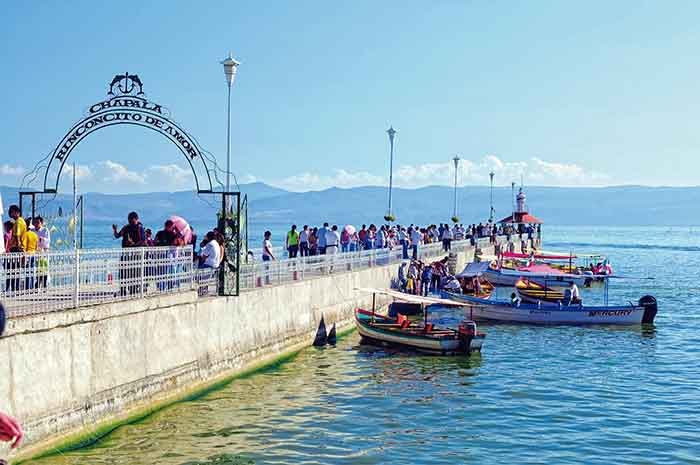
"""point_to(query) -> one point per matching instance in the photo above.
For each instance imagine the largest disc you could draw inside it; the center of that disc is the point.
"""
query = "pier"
(88, 353)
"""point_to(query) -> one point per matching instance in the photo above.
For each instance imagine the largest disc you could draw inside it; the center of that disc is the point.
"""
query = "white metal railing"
(53, 281)
(50, 281)
(277, 272)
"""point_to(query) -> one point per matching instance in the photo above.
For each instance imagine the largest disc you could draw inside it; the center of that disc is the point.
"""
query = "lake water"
(535, 395)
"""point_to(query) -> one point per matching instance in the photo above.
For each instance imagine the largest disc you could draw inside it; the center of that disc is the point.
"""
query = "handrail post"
(76, 278)
(143, 270)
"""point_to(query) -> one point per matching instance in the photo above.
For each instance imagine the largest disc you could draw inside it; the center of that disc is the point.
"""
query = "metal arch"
(133, 123)
(124, 105)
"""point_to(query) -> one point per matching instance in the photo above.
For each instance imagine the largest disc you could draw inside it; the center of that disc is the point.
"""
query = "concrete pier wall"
(73, 372)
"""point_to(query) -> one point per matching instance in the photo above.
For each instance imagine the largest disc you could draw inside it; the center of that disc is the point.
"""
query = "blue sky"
(566, 93)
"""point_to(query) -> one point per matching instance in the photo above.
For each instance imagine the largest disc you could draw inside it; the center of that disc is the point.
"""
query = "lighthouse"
(520, 208)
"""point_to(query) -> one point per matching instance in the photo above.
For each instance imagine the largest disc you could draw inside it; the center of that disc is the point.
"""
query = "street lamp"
(456, 162)
(230, 67)
(491, 175)
(392, 132)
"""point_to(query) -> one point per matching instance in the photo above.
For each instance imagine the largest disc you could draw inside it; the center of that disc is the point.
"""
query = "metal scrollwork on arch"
(127, 104)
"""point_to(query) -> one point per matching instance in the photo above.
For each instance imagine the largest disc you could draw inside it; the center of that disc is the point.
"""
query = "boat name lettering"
(610, 312)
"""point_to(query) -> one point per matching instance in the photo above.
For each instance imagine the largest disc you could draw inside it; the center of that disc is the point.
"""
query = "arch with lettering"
(127, 104)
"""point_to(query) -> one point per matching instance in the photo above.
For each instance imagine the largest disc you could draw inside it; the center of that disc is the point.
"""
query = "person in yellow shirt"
(30, 241)
(18, 230)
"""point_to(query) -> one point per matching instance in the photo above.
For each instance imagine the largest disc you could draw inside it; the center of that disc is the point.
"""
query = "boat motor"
(467, 331)
(650, 309)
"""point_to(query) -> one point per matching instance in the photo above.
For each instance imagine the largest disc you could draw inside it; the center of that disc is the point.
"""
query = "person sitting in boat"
(476, 284)
(451, 284)
(515, 299)
(572, 296)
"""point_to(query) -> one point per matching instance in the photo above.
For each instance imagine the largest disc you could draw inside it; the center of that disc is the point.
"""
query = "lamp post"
(512, 199)
(491, 175)
(230, 67)
(456, 162)
(391, 132)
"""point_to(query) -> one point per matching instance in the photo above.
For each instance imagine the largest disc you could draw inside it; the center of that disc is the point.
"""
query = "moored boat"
(422, 336)
(542, 274)
(642, 312)
(533, 292)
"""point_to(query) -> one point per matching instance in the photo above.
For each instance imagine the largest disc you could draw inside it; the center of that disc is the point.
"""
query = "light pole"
(456, 162)
(230, 67)
(512, 199)
(491, 175)
(392, 132)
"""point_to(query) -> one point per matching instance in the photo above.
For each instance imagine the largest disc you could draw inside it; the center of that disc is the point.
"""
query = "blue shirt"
(322, 236)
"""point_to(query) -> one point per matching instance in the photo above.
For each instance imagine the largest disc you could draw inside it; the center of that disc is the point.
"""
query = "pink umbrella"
(183, 227)
(350, 229)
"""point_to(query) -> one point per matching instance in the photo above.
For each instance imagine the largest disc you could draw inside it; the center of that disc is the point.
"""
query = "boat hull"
(548, 314)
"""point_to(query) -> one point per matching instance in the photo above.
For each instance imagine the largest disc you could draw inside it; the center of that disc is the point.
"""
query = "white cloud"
(173, 176)
(247, 179)
(119, 173)
(535, 171)
(82, 172)
(9, 170)
(339, 178)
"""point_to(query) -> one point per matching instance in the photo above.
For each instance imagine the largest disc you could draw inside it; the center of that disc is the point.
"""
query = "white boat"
(643, 312)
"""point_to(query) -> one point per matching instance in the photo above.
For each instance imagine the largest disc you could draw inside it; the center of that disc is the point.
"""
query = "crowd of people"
(29, 236)
(133, 234)
(328, 240)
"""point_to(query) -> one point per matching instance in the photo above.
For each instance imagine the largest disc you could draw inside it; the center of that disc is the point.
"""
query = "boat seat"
(400, 318)
(405, 323)
(428, 327)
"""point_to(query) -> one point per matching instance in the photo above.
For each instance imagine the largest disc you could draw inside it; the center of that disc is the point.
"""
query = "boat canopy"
(541, 256)
(416, 299)
(473, 270)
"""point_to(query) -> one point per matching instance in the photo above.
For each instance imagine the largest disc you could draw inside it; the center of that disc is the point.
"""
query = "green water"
(536, 395)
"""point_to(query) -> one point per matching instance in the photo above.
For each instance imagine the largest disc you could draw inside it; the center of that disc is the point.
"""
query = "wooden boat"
(643, 312)
(423, 337)
(533, 292)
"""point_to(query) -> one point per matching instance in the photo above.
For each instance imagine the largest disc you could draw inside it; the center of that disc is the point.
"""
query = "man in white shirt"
(43, 233)
(267, 254)
(332, 240)
(447, 238)
(210, 255)
(416, 238)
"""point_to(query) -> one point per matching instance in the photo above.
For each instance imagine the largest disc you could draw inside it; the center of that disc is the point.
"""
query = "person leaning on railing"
(132, 235)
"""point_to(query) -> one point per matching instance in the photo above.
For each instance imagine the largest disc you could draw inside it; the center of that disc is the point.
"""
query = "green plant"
(455, 219)
(390, 218)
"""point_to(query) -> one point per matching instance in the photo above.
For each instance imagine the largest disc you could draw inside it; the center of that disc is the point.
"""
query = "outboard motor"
(650, 309)
(467, 331)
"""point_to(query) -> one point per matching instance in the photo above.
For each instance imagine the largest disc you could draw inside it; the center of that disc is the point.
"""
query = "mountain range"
(618, 206)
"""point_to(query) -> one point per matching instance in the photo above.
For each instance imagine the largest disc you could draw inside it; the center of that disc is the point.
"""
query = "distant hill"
(620, 206)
